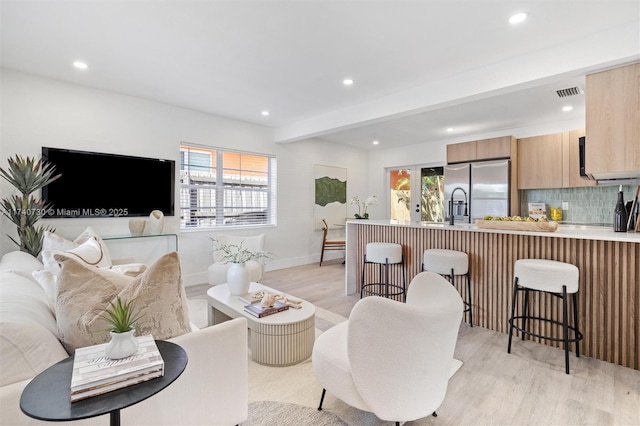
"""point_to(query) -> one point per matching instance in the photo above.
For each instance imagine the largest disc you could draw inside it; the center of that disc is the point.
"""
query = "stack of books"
(95, 374)
(256, 309)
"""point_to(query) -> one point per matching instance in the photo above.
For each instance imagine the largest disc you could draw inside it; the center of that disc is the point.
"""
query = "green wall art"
(330, 196)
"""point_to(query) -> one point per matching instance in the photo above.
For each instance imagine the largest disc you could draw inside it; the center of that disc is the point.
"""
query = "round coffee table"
(48, 395)
(281, 339)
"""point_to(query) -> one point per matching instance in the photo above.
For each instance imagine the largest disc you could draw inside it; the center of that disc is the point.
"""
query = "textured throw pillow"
(84, 292)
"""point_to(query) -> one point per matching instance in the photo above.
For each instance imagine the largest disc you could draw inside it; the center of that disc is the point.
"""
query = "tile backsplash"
(592, 205)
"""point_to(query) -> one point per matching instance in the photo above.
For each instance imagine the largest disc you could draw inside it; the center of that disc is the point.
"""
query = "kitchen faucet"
(451, 204)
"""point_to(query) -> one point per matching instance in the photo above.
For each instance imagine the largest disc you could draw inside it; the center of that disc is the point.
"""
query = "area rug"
(280, 413)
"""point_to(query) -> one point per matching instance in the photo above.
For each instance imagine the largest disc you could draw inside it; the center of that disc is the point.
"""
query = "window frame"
(220, 191)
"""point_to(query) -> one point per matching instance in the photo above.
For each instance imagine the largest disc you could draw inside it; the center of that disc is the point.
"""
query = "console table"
(48, 395)
(141, 248)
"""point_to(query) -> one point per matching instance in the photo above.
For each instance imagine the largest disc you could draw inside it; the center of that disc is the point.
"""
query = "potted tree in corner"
(27, 175)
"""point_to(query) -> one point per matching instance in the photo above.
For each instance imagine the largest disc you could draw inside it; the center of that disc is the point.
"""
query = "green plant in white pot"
(237, 255)
(121, 317)
(27, 175)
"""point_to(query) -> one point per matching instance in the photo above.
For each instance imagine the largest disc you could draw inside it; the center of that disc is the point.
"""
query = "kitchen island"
(609, 265)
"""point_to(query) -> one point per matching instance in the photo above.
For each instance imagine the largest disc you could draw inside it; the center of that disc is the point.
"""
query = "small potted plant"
(121, 317)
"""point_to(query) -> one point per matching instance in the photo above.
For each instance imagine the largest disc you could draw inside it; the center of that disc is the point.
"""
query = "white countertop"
(603, 233)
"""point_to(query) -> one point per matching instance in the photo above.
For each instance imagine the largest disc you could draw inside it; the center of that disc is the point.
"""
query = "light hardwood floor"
(528, 386)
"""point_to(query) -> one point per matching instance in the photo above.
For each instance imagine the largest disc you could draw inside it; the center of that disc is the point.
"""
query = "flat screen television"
(95, 184)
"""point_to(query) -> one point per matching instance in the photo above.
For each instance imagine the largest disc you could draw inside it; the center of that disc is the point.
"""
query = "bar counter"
(608, 261)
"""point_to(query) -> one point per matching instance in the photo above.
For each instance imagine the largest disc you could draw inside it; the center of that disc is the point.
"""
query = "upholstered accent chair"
(218, 270)
(391, 358)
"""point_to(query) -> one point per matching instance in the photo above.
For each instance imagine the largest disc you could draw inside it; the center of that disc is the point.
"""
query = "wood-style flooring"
(528, 386)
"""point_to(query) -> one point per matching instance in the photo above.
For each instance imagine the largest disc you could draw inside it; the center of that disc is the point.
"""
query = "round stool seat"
(442, 261)
(384, 252)
(546, 275)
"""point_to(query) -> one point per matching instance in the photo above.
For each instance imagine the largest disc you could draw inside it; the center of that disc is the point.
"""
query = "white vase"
(136, 226)
(238, 279)
(155, 223)
(121, 345)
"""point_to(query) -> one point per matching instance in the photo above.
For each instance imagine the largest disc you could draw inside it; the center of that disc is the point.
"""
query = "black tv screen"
(107, 185)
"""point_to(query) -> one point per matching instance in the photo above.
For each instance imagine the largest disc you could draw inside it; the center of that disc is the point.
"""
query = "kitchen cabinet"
(550, 161)
(462, 152)
(488, 149)
(485, 149)
(540, 162)
(571, 176)
(612, 100)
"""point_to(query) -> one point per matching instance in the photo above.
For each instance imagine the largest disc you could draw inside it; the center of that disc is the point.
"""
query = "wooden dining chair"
(330, 243)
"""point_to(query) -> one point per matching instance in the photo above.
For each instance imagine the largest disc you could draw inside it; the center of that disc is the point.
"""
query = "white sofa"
(213, 390)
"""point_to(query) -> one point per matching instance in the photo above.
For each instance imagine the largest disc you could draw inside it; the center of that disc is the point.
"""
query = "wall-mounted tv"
(95, 184)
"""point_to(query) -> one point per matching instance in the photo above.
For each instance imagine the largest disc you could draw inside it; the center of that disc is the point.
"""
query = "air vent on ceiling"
(570, 91)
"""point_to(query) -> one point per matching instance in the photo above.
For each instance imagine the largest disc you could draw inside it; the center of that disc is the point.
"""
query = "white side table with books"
(281, 339)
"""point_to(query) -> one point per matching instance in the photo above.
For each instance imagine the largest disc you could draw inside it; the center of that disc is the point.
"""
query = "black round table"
(48, 395)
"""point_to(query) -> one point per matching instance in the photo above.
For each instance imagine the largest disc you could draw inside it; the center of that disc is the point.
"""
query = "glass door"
(400, 194)
(416, 194)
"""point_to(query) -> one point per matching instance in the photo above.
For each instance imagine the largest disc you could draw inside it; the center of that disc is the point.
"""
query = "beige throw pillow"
(84, 292)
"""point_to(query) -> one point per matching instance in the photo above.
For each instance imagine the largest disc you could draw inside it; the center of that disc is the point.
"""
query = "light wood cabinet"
(540, 162)
(571, 156)
(461, 152)
(613, 122)
(488, 149)
(485, 149)
(550, 161)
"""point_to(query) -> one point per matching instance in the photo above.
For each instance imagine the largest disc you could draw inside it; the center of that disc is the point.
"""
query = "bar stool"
(546, 276)
(450, 263)
(384, 255)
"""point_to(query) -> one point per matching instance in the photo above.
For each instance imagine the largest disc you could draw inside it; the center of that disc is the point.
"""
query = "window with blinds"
(223, 188)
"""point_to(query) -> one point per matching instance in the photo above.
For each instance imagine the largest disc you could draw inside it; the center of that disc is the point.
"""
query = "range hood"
(616, 178)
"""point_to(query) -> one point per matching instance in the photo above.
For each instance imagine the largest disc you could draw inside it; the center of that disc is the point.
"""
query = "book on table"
(95, 374)
(256, 309)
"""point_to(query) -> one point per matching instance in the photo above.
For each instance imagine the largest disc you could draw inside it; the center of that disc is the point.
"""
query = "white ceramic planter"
(238, 279)
(121, 345)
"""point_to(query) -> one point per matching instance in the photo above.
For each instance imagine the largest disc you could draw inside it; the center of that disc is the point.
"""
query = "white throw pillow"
(88, 247)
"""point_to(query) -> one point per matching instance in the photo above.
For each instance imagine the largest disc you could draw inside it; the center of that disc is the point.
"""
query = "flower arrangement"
(237, 253)
(363, 205)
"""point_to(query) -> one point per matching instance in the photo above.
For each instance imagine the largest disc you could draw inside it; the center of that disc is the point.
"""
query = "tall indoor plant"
(27, 175)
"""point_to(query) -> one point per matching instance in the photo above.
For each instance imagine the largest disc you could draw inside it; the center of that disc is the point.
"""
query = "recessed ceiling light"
(347, 81)
(265, 113)
(517, 18)
(567, 108)
(449, 129)
(80, 65)
(375, 142)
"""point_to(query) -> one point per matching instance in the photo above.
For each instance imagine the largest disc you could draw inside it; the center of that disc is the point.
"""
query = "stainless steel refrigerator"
(484, 190)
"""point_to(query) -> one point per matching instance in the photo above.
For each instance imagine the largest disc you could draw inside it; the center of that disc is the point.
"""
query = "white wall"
(38, 112)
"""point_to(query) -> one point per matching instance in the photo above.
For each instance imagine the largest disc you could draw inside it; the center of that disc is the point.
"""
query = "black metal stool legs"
(526, 317)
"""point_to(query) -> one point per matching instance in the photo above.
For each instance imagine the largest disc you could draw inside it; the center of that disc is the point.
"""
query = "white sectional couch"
(213, 390)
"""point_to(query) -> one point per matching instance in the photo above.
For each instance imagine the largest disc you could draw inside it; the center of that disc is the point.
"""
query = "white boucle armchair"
(391, 358)
(217, 272)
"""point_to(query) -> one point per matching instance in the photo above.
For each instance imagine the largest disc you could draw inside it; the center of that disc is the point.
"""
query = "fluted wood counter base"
(608, 298)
